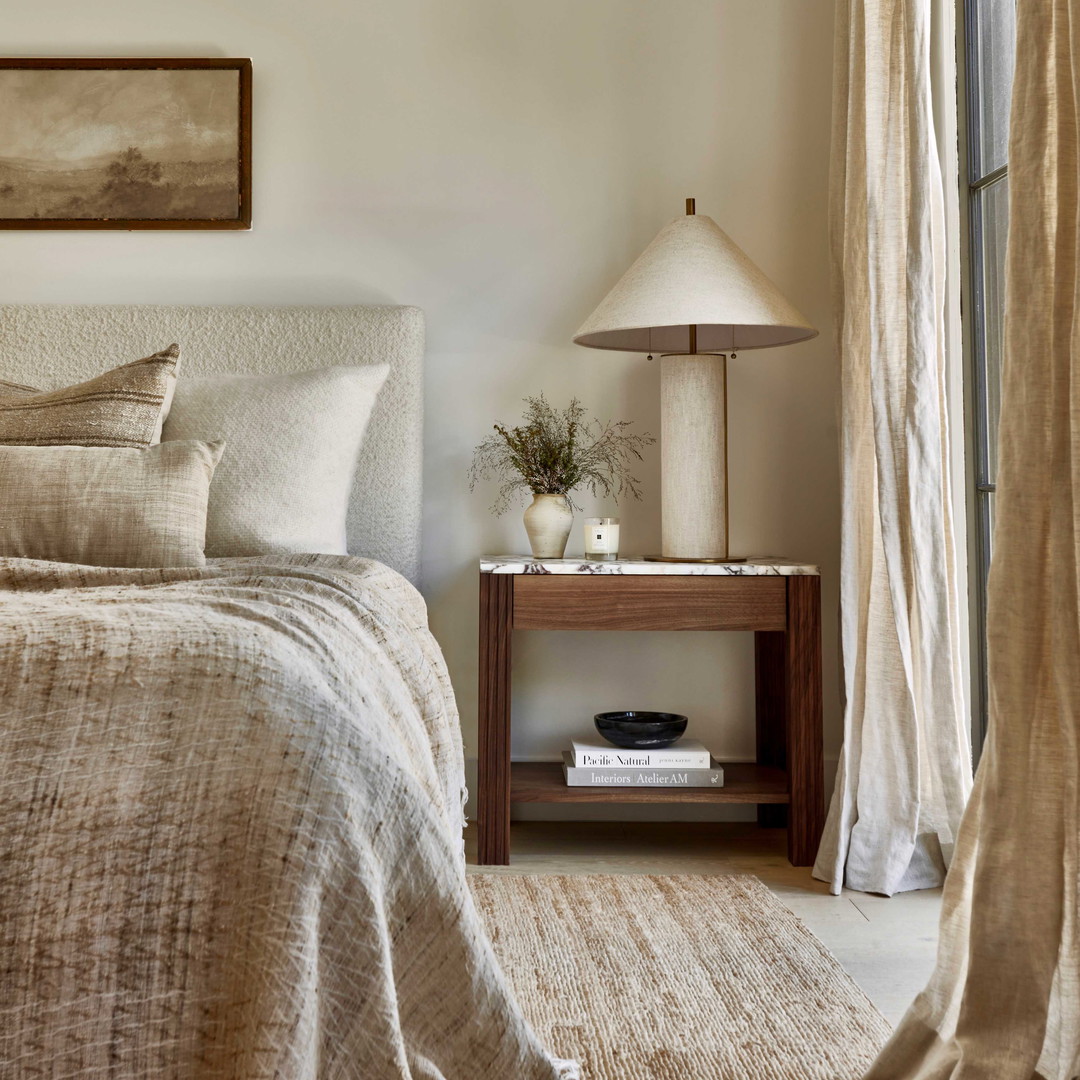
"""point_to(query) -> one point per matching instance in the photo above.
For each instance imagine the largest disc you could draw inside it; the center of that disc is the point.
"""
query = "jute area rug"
(677, 978)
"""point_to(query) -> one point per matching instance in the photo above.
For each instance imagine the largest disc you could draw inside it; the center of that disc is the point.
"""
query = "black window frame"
(981, 483)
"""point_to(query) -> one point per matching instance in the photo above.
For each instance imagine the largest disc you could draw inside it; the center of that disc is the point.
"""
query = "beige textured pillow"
(106, 506)
(124, 407)
(286, 477)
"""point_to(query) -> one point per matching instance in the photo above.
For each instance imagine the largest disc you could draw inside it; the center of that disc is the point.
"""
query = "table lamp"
(695, 297)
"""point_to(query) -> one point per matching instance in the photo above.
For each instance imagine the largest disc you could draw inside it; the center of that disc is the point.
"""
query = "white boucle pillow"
(284, 481)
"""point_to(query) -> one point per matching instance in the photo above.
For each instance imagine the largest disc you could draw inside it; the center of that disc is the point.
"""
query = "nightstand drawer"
(614, 602)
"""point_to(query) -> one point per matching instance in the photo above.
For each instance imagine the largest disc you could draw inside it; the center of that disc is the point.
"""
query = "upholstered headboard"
(52, 345)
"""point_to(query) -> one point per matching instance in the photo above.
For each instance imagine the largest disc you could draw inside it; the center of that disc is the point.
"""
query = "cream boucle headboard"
(53, 345)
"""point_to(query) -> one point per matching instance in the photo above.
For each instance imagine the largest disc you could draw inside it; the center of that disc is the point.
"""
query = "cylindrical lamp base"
(693, 462)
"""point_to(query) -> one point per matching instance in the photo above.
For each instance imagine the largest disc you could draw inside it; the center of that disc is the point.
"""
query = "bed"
(231, 794)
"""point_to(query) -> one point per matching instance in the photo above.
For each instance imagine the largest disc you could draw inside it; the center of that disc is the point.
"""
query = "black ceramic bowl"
(635, 730)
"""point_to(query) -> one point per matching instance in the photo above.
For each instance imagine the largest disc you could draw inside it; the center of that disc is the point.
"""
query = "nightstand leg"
(493, 796)
(802, 680)
(771, 709)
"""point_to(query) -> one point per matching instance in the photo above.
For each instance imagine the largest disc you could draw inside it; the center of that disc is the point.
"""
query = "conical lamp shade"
(693, 274)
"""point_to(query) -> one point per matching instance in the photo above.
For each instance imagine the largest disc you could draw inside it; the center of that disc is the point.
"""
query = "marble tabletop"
(757, 566)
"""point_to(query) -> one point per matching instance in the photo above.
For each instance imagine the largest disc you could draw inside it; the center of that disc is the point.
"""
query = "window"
(989, 41)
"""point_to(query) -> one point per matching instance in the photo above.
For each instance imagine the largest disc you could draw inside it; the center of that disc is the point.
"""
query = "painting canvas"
(125, 144)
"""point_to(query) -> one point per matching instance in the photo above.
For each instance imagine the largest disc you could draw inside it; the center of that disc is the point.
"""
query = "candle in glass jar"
(602, 538)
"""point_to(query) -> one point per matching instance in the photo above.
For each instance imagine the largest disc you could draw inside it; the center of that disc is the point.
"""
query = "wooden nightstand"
(778, 600)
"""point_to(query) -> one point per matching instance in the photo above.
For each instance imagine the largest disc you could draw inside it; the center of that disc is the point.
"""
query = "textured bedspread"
(230, 832)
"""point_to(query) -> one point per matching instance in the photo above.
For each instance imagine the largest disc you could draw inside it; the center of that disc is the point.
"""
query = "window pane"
(992, 41)
(990, 226)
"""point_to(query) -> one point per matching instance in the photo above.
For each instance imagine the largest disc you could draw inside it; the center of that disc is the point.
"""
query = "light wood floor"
(887, 945)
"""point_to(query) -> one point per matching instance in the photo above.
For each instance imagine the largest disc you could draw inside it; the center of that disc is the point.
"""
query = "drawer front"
(612, 602)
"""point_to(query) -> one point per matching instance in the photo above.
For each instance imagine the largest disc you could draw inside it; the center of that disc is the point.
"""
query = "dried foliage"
(557, 451)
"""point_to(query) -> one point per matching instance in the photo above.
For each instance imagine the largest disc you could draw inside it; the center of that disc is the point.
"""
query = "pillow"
(284, 483)
(123, 407)
(106, 506)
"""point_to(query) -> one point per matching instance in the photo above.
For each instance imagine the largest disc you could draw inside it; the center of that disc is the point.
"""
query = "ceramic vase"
(547, 521)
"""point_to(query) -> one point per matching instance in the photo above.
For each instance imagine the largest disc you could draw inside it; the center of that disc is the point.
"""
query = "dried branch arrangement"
(555, 452)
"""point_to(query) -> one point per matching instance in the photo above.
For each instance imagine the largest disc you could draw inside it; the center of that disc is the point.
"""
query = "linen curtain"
(905, 769)
(1004, 1000)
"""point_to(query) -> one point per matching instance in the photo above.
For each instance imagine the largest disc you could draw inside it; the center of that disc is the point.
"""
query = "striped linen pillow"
(125, 407)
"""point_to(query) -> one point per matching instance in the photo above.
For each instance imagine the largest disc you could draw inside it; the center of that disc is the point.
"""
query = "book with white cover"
(599, 754)
(647, 777)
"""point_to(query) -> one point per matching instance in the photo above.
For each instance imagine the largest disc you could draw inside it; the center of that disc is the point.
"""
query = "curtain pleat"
(1004, 1000)
(905, 769)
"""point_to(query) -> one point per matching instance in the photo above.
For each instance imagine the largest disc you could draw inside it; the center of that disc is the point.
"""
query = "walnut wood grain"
(744, 782)
(802, 690)
(770, 694)
(611, 602)
(784, 611)
(493, 779)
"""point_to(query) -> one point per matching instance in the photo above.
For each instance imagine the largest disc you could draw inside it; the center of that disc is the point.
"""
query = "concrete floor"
(887, 945)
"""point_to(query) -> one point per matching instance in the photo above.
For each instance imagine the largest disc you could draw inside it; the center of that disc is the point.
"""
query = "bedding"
(293, 440)
(107, 506)
(230, 832)
(126, 406)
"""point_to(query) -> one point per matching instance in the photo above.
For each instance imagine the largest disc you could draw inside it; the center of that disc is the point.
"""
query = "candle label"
(602, 539)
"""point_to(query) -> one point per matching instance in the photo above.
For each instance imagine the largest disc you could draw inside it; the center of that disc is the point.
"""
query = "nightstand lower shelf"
(744, 782)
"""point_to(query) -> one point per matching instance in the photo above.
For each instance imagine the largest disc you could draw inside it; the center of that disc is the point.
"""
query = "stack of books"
(595, 763)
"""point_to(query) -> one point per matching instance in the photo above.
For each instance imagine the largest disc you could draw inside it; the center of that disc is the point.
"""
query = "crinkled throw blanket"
(230, 832)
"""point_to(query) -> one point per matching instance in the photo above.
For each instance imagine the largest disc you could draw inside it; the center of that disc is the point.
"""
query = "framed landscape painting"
(125, 144)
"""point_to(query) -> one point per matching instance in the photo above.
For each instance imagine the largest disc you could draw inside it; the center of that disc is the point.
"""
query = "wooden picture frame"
(70, 135)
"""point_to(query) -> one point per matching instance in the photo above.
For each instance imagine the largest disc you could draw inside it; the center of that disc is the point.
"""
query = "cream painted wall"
(499, 163)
